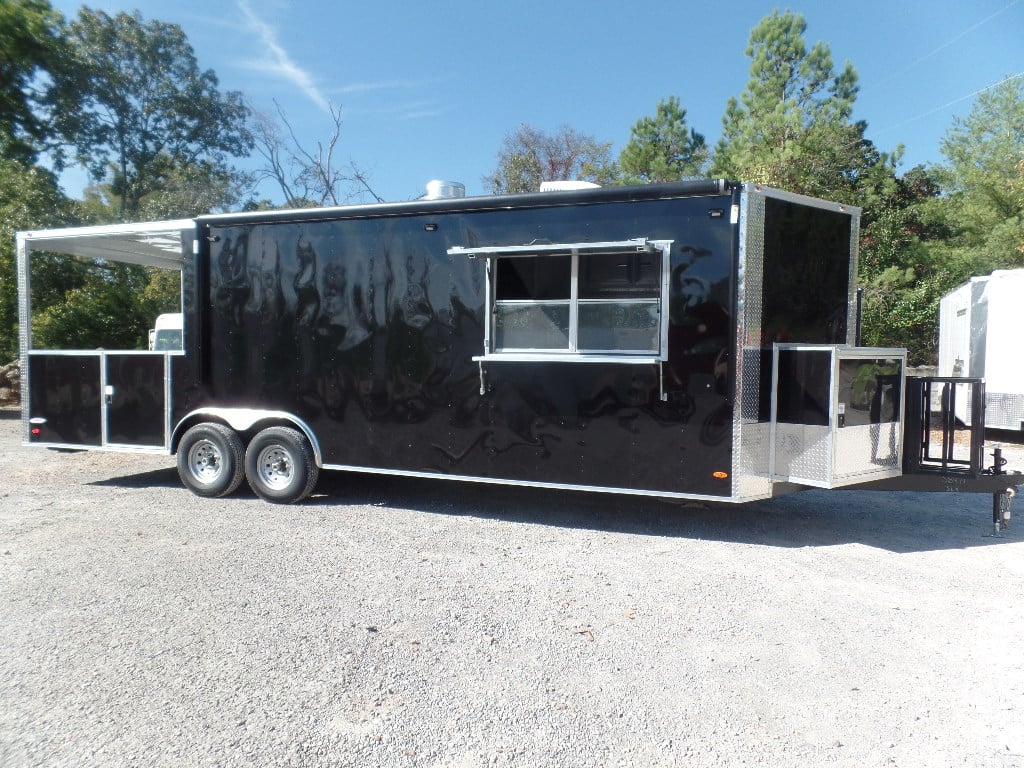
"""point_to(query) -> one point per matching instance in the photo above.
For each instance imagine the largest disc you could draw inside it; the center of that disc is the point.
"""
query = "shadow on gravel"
(898, 522)
(9, 414)
(157, 478)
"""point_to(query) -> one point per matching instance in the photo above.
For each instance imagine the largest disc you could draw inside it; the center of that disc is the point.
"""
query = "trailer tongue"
(689, 340)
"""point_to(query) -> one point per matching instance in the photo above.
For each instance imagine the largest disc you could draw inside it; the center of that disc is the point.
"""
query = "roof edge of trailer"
(796, 197)
(694, 188)
(997, 274)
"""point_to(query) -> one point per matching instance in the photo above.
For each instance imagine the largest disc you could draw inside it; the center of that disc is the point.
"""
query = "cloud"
(278, 62)
(413, 110)
(378, 86)
(410, 110)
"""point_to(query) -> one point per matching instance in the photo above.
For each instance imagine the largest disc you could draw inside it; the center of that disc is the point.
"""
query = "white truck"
(166, 335)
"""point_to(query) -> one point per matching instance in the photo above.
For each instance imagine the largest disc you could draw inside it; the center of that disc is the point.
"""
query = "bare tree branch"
(307, 176)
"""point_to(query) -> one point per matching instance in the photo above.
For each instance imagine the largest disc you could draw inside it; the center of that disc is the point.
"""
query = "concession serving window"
(576, 302)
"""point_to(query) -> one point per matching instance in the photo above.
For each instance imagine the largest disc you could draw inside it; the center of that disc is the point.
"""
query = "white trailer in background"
(981, 335)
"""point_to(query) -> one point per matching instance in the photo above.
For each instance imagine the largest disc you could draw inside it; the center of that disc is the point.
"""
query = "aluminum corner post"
(24, 327)
(750, 438)
(853, 317)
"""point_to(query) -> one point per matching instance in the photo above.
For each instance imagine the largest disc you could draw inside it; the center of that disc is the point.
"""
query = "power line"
(947, 44)
(931, 112)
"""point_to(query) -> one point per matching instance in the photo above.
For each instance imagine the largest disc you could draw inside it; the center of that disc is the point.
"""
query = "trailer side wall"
(365, 328)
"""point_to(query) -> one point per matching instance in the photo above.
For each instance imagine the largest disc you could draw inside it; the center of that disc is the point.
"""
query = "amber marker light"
(720, 475)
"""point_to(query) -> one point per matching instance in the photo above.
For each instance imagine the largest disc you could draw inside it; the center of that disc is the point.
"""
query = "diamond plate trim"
(24, 329)
(749, 439)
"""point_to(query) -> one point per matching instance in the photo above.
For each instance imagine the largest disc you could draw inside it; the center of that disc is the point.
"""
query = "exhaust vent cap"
(444, 190)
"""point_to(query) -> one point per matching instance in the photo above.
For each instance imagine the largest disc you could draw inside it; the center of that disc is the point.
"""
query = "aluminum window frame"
(577, 251)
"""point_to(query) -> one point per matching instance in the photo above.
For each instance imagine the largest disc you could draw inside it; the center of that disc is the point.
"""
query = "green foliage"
(193, 190)
(30, 47)
(137, 108)
(145, 121)
(108, 309)
(985, 177)
(791, 128)
(947, 224)
(29, 199)
(662, 148)
(898, 267)
(529, 156)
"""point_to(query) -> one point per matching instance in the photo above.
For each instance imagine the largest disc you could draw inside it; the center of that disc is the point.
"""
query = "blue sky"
(428, 90)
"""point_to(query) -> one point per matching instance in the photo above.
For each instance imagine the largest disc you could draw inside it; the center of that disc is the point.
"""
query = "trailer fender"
(244, 420)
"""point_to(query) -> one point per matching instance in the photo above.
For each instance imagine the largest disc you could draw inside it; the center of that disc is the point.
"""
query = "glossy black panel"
(366, 329)
(530, 277)
(804, 387)
(620, 275)
(805, 290)
(135, 410)
(806, 273)
(65, 394)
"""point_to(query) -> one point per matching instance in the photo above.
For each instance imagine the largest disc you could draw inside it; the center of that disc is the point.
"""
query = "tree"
(529, 156)
(306, 177)
(30, 48)
(1017, 189)
(791, 128)
(663, 148)
(29, 199)
(899, 270)
(136, 107)
(984, 180)
(109, 308)
(947, 224)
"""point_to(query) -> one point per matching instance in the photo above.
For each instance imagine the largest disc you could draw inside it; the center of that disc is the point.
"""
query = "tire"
(211, 460)
(280, 465)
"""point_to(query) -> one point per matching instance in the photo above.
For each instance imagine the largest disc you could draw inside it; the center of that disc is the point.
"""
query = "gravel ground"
(401, 622)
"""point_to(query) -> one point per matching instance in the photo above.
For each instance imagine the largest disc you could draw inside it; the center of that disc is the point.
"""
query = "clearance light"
(720, 475)
(36, 431)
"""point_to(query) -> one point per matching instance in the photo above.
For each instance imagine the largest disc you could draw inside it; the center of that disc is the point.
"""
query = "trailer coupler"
(1001, 510)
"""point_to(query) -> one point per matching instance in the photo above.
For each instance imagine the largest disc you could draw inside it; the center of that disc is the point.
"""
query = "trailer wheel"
(210, 460)
(280, 465)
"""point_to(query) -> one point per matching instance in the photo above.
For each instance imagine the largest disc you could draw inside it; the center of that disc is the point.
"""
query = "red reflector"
(36, 431)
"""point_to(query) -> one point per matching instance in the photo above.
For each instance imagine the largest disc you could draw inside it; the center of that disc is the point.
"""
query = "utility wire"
(947, 44)
(931, 112)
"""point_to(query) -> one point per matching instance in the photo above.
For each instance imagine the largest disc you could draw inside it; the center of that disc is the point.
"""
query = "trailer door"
(99, 399)
(64, 403)
(135, 400)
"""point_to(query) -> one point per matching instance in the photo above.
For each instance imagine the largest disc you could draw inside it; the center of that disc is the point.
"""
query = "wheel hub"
(205, 461)
(275, 467)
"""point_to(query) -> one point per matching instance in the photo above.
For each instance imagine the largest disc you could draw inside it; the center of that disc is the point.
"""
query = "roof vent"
(444, 190)
(563, 186)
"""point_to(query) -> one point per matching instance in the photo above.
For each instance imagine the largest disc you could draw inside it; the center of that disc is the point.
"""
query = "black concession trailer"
(691, 340)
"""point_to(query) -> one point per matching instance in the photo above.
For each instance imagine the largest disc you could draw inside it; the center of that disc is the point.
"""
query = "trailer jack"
(1001, 511)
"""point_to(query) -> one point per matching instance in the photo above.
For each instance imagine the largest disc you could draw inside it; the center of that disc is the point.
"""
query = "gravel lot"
(400, 622)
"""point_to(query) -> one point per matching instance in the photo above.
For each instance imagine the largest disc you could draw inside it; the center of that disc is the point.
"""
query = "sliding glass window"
(601, 302)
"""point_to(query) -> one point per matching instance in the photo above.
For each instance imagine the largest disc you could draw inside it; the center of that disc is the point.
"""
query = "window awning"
(638, 244)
